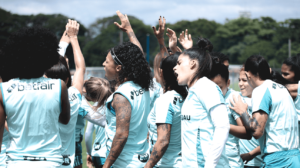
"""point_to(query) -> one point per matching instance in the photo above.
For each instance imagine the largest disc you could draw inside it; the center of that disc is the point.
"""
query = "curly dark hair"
(134, 65)
(28, 53)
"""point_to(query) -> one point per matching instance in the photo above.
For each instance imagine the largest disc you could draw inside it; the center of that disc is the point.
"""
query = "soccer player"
(274, 119)
(248, 148)
(290, 69)
(96, 90)
(164, 119)
(128, 107)
(34, 105)
(204, 118)
(61, 71)
(220, 75)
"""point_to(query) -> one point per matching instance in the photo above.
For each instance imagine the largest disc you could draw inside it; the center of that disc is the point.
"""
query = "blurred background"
(237, 28)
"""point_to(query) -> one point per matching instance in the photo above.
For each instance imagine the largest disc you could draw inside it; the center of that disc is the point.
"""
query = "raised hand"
(159, 34)
(185, 40)
(178, 49)
(72, 28)
(125, 24)
(172, 40)
(161, 29)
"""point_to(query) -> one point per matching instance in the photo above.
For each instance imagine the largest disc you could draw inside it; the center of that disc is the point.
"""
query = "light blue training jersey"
(167, 109)
(134, 151)
(281, 130)
(297, 105)
(67, 132)
(155, 92)
(99, 146)
(197, 128)
(232, 145)
(247, 146)
(5, 141)
(32, 107)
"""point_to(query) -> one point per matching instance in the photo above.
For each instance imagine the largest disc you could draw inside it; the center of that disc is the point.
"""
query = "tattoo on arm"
(160, 147)
(123, 115)
(134, 40)
(251, 124)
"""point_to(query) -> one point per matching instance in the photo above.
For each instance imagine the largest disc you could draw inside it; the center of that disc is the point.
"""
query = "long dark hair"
(294, 63)
(60, 71)
(134, 65)
(258, 66)
(170, 79)
(203, 58)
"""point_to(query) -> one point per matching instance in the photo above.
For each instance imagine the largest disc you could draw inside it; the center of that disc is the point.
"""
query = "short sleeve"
(210, 96)
(164, 111)
(261, 99)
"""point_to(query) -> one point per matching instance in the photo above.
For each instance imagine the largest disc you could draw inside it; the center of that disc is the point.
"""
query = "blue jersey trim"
(79, 96)
(170, 114)
(266, 102)
(60, 95)
(2, 97)
(82, 112)
(111, 109)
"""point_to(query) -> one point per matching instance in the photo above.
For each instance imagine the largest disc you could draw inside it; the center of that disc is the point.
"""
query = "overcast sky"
(86, 11)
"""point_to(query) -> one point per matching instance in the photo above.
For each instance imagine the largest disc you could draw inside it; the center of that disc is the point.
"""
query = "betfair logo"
(35, 86)
(177, 99)
(11, 88)
(136, 93)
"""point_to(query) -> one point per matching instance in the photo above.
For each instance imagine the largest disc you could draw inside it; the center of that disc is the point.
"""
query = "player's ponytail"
(201, 55)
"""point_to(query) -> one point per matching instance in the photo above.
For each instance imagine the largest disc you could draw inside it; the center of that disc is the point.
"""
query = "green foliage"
(238, 38)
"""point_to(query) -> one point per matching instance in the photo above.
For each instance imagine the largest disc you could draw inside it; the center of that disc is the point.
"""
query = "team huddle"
(182, 115)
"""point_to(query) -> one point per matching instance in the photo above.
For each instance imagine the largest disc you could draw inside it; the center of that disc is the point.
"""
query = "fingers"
(154, 29)
(119, 14)
(168, 35)
(164, 23)
(186, 33)
(117, 24)
(178, 49)
(170, 31)
(160, 22)
(190, 37)
(78, 25)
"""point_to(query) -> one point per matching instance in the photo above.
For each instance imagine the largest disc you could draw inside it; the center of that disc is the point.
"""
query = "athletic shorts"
(78, 153)
(98, 161)
(290, 159)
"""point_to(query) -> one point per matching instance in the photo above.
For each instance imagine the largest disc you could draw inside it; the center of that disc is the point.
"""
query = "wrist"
(129, 30)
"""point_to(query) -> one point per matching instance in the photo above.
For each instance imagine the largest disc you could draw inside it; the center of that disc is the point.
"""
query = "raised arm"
(185, 40)
(172, 40)
(123, 114)
(254, 125)
(161, 145)
(63, 43)
(159, 34)
(78, 79)
(126, 27)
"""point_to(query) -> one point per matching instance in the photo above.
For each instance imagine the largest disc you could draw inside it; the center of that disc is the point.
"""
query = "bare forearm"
(78, 57)
(255, 151)
(158, 151)
(162, 48)
(133, 38)
(117, 146)
(240, 132)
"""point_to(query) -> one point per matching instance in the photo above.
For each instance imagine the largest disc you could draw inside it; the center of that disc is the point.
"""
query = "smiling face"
(111, 69)
(287, 73)
(184, 69)
(245, 88)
